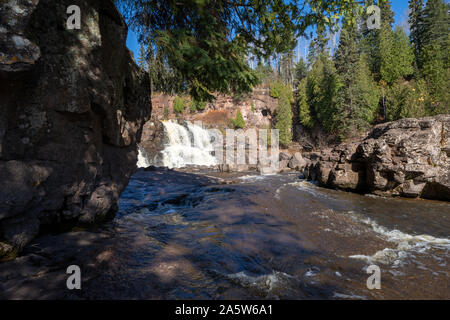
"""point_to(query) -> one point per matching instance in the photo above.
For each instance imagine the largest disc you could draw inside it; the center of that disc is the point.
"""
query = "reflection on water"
(180, 235)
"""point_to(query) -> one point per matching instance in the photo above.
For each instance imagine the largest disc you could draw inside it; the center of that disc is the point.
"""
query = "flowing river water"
(184, 235)
(189, 234)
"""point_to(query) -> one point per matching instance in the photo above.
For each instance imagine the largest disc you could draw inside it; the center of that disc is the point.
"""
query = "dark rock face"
(73, 103)
(408, 158)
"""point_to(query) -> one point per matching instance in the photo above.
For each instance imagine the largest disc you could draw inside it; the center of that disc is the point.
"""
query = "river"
(185, 235)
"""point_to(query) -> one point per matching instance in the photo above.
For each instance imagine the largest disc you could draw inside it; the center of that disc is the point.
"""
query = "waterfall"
(186, 144)
(142, 161)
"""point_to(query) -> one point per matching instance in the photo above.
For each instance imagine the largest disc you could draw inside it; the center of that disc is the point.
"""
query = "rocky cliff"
(258, 109)
(73, 103)
(408, 158)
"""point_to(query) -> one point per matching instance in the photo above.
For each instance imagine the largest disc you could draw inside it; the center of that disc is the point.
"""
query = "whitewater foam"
(187, 144)
(405, 243)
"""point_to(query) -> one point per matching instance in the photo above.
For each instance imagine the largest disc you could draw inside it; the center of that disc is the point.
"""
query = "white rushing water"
(142, 161)
(187, 144)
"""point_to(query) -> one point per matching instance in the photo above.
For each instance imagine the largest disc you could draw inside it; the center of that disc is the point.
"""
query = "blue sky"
(400, 8)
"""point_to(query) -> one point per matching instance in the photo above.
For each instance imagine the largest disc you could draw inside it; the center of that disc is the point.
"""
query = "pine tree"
(179, 104)
(366, 96)
(322, 87)
(304, 111)
(318, 46)
(358, 97)
(238, 122)
(416, 27)
(396, 55)
(142, 58)
(284, 116)
(387, 15)
(286, 68)
(346, 57)
(301, 71)
(374, 41)
(435, 55)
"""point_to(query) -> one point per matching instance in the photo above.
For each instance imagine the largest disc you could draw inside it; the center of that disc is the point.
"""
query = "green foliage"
(179, 104)
(166, 113)
(204, 43)
(396, 55)
(301, 71)
(358, 96)
(416, 27)
(435, 55)
(284, 114)
(253, 107)
(276, 89)
(142, 58)
(318, 46)
(361, 110)
(406, 100)
(303, 107)
(322, 89)
(238, 122)
(286, 68)
(192, 108)
(197, 105)
(265, 72)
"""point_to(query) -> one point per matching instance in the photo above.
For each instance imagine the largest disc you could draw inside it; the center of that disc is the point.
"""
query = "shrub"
(238, 122)
(179, 104)
(406, 100)
(276, 89)
(198, 105)
(166, 113)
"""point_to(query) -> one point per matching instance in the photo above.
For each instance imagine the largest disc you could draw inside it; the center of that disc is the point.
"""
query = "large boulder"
(297, 162)
(73, 103)
(408, 158)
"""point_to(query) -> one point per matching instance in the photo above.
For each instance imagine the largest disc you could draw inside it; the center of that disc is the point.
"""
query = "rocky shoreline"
(408, 158)
(405, 158)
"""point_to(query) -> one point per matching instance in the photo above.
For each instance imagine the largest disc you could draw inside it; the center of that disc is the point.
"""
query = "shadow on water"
(180, 235)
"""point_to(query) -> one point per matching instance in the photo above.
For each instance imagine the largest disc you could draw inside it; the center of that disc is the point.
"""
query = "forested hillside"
(372, 76)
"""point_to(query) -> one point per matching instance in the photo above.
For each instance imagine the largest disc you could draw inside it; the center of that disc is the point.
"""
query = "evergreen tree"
(264, 72)
(435, 55)
(207, 42)
(302, 103)
(374, 41)
(318, 46)
(346, 57)
(142, 58)
(366, 96)
(322, 87)
(416, 27)
(396, 55)
(358, 95)
(301, 71)
(284, 116)
(286, 65)
(238, 122)
(387, 15)
(406, 100)
(163, 78)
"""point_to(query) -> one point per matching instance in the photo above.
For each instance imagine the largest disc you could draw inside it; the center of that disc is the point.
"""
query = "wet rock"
(73, 106)
(283, 164)
(408, 158)
(297, 162)
(285, 156)
(233, 167)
